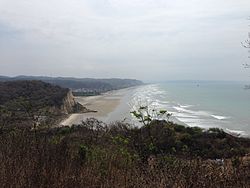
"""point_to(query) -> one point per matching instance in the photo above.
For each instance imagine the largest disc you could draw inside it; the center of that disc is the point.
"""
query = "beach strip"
(103, 104)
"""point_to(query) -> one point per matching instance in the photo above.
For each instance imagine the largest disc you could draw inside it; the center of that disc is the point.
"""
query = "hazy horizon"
(145, 81)
(148, 40)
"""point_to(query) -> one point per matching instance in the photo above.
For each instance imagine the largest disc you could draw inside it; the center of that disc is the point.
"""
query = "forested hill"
(81, 83)
(37, 92)
(23, 101)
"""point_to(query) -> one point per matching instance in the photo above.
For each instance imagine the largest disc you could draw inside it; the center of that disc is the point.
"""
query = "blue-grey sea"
(205, 104)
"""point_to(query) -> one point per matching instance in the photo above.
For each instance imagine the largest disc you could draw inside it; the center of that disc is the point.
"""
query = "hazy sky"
(144, 39)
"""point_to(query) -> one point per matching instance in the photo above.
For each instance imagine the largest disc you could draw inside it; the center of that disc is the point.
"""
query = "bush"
(96, 155)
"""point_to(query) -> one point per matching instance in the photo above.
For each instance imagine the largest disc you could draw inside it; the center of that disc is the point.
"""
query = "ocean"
(205, 104)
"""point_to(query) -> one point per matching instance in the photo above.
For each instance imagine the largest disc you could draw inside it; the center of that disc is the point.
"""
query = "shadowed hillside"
(23, 103)
(39, 93)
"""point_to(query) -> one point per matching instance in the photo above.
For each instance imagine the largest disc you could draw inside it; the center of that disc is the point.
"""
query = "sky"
(153, 40)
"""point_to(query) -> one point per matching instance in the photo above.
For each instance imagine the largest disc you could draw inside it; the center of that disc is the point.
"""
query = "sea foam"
(220, 117)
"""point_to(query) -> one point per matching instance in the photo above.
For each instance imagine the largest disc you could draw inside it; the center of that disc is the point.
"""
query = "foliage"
(160, 153)
(94, 154)
(38, 93)
(146, 116)
(86, 94)
(246, 44)
(29, 103)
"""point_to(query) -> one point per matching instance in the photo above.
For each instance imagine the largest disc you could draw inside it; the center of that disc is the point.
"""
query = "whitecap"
(220, 117)
(180, 109)
(236, 132)
(183, 115)
(186, 106)
(192, 122)
(197, 113)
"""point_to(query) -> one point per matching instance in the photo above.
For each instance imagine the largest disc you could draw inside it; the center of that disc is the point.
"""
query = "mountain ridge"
(85, 84)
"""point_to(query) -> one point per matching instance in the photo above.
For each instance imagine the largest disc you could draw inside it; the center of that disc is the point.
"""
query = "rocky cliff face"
(68, 104)
(71, 106)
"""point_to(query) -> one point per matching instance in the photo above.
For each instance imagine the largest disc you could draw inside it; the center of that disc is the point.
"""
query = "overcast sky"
(143, 39)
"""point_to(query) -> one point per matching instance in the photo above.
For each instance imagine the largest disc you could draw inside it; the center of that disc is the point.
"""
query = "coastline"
(106, 105)
(116, 106)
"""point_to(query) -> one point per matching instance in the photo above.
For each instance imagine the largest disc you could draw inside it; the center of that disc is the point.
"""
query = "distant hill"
(85, 84)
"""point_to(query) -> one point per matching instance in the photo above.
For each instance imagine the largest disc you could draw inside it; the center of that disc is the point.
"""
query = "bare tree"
(246, 44)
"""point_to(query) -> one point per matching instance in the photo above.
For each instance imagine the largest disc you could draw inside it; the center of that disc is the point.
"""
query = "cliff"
(70, 105)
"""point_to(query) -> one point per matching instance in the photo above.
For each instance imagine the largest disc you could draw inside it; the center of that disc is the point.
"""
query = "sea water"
(205, 104)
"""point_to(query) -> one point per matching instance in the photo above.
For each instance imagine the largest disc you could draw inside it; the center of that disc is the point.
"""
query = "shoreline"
(105, 105)
(115, 105)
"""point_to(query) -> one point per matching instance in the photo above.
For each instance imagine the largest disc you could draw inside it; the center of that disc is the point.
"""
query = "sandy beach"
(109, 106)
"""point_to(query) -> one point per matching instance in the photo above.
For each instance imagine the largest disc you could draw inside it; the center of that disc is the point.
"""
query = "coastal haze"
(143, 39)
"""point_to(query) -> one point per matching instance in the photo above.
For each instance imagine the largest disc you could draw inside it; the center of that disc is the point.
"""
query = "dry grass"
(90, 156)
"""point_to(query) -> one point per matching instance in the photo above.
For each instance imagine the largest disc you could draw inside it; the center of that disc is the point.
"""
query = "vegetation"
(160, 153)
(25, 103)
(146, 116)
(86, 94)
(75, 84)
(97, 155)
(246, 44)
(38, 93)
